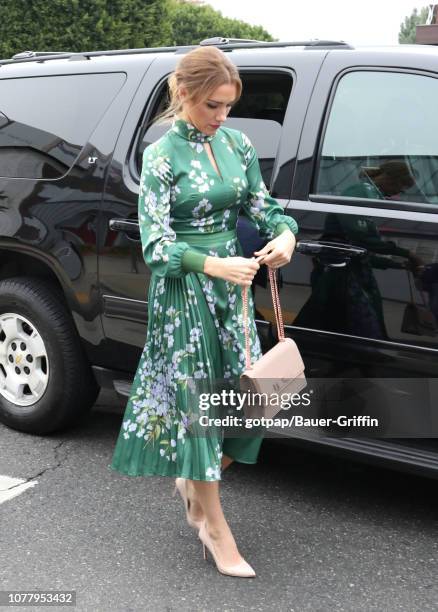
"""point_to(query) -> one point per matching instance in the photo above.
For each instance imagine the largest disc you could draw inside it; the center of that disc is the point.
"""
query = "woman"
(194, 180)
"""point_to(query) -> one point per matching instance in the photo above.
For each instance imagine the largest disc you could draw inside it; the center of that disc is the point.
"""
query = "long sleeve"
(193, 261)
(260, 207)
(161, 252)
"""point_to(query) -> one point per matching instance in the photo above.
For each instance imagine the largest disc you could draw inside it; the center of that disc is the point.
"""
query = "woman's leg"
(218, 529)
(226, 462)
(196, 511)
(246, 449)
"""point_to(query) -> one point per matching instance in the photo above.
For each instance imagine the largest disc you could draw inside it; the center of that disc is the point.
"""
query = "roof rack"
(218, 41)
(26, 54)
(242, 42)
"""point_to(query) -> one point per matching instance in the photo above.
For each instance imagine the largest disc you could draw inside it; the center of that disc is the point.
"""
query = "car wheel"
(46, 381)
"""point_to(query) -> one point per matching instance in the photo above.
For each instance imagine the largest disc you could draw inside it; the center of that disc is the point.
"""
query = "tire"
(46, 381)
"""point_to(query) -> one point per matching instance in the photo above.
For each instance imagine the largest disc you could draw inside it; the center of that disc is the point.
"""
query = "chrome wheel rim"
(24, 364)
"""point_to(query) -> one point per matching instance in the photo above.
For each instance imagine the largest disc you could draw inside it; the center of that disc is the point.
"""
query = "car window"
(45, 121)
(380, 139)
(259, 114)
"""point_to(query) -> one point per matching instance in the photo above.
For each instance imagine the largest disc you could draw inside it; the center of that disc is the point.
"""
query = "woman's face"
(209, 114)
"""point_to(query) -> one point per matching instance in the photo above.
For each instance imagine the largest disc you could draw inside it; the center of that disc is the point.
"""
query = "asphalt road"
(323, 534)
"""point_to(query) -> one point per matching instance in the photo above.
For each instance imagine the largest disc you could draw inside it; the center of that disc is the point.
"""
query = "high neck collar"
(189, 131)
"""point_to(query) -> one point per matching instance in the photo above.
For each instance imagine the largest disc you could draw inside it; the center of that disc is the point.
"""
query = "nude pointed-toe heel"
(240, 570)
(180, 485)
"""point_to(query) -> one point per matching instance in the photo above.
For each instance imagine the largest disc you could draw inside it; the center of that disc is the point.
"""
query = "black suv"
(347, 142)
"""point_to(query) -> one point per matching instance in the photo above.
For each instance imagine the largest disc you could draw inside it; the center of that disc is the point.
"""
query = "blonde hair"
(200, 71)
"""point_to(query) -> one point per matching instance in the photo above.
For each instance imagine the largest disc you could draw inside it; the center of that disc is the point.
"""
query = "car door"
(363, 282)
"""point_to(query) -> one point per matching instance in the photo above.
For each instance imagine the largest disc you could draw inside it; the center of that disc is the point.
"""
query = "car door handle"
(124, 225)
(327, 248)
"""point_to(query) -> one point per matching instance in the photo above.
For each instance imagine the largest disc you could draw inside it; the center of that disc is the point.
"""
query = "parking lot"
(321, 533)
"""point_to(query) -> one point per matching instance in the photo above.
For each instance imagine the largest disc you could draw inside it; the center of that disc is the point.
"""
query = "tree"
(94, 25)
(408, 27)
(83, 25)
(194, 21)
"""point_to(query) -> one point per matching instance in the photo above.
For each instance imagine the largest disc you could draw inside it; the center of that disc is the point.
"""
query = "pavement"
(322, 533)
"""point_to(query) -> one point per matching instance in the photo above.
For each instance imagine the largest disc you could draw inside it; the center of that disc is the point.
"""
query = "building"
(428, 34)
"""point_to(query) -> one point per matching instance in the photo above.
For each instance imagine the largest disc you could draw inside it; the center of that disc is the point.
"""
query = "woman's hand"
(280, 250)
(239, 270)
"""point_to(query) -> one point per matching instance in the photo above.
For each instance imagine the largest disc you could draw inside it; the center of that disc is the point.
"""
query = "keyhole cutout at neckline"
(209, 150)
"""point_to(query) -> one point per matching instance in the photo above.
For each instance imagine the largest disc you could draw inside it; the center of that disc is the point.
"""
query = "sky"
(371, 22)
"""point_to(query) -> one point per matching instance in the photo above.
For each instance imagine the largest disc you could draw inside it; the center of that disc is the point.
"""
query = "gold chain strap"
(277, 312)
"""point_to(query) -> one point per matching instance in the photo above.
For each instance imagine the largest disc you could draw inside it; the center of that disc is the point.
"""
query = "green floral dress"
(195, 334)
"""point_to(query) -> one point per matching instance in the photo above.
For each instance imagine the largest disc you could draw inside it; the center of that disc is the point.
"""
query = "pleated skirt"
(195, 341)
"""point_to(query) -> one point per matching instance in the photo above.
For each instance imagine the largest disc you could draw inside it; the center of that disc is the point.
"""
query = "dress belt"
(207, 238)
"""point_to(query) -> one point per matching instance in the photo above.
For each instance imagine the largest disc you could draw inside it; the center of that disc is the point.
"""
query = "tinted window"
(380, 141)
(259, 114)
(46, 121)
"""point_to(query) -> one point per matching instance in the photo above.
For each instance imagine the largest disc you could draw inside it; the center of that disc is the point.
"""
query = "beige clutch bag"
(279, 371)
